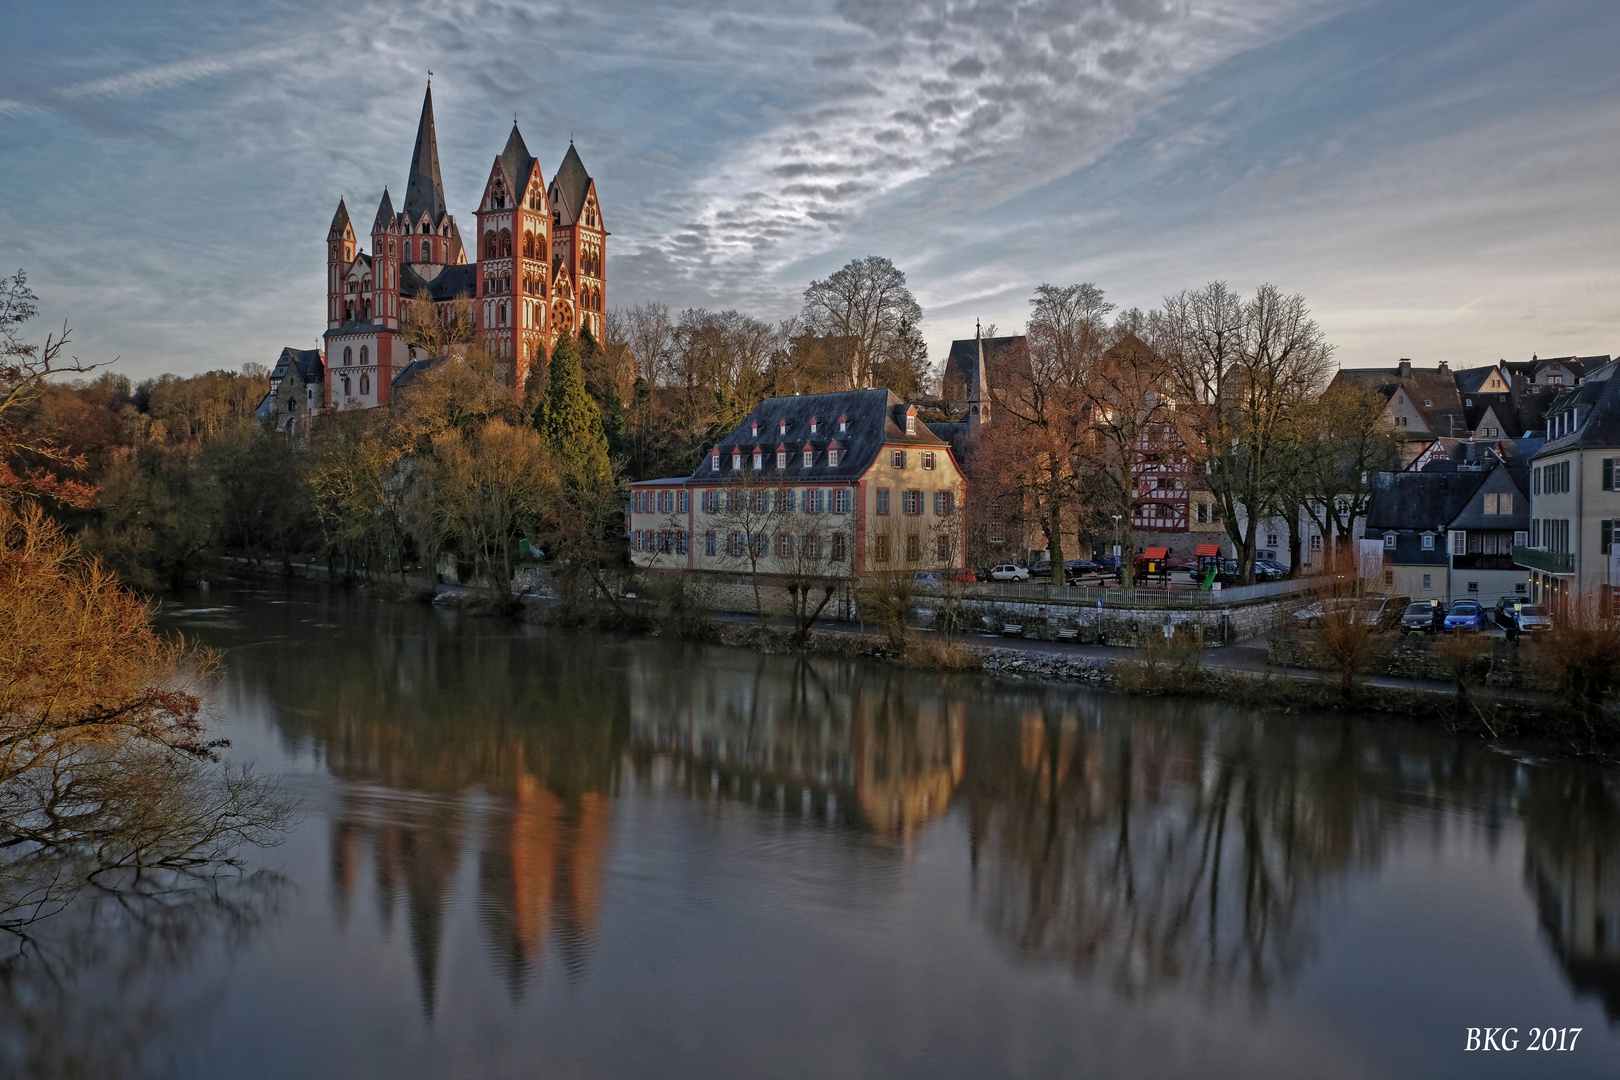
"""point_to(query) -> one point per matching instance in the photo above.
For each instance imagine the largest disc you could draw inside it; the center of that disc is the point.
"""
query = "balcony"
(1548, 562)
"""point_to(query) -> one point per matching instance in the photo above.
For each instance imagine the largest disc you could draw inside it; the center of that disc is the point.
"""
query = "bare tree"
(650, 334)
(868, 303)
(1241, 369)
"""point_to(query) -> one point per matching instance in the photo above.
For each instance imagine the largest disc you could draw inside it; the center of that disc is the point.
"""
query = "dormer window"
(832, 453)
(754, 427)
(736, 459)
(809, 456)
(781, 456)
(781, 426)
(714, 460)
(1428, 542)
(814, 425)
(759, 458)
(911, 424)
(843, 424)
(1389, 541)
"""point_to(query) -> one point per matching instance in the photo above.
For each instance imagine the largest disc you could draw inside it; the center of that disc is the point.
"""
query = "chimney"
(1406, 368)
(1445, 368)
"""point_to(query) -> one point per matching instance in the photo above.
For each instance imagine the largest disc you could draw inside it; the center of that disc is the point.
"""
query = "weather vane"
(430, 78)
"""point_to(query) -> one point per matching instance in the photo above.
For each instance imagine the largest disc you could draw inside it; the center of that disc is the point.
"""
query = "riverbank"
(1244, 675)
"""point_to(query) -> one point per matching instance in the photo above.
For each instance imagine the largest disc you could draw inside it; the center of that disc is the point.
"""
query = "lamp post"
(1120, 569)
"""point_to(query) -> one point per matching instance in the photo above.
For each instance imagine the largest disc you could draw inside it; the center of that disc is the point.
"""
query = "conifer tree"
(572, 424)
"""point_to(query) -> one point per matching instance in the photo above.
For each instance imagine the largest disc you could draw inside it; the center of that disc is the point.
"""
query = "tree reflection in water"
(1147, 844)
(116, 980)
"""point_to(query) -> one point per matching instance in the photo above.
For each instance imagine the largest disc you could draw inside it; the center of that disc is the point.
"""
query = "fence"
(1138, 599)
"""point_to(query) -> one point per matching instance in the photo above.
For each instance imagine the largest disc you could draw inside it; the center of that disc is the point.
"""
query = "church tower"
(514, 232)
(339, 254)
(578, 249)
(385, 240)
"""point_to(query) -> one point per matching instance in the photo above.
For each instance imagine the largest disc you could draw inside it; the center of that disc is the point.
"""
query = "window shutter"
(1608, 474)
(1608, 534)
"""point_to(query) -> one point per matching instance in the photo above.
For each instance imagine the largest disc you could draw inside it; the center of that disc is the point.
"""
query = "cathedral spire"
(978, 387)
(424, 191)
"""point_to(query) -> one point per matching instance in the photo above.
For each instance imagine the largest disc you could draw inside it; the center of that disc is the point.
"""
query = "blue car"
(1465, 615)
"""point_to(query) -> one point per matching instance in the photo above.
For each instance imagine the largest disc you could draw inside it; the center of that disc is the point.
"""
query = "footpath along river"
(531, 852)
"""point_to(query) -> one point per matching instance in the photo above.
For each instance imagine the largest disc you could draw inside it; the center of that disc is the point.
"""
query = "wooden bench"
(1068, 633)
(1012, 630)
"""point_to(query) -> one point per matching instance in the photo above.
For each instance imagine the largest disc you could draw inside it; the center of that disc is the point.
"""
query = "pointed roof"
(340, 221)
(976, 380)
(571, 183)
(385, 214)
(517, 163)
(424, 191)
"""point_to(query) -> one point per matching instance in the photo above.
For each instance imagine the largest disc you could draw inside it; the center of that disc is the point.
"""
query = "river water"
(530, 852)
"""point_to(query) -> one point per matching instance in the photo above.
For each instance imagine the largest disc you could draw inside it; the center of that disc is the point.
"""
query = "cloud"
(997, 96)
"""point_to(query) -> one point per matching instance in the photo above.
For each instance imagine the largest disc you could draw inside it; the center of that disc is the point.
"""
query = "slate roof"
(424, 190)
(1003, 356)
(409, 373)
(874, 421)
(1420, 500)
(1469, 380)
(1579, 366)
(306, 362)
(339, 220)
(517, 163)
(1598, 398)
(570, 183)
(385, 214)
(449, 283)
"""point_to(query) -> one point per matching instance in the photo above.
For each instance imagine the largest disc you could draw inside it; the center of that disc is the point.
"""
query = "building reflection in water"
(1144, 843)
(1572, 868)
(874, 750)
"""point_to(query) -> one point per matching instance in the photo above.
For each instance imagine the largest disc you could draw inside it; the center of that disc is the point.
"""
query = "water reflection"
(1151, 847)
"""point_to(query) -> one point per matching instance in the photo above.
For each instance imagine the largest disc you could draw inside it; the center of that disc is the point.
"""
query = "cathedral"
(537, 271)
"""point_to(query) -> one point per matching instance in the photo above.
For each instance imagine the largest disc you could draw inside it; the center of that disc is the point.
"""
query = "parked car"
(1040, 570)
(1423, 617)
(1108, 562)
(1465, 615)
(1009, 572)
(1075, 569)
(1382, 611)
(1269, 570)
(1515, 615)
(961, 577)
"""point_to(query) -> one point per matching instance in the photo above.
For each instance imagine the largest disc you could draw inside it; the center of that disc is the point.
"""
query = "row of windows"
(365, 385)
(897, 459)
(1554, 479)
(815, 426)
(663, 502)
(912, 502)
(834, 452)
(737, 545)
(1550, 533)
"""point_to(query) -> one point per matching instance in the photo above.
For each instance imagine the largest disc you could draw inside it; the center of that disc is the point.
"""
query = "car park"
(1384, 612)
(1269, 570)
(1040, 570)
(1423, 617)
(1465, 615)
(1009, 572)
(1077, 569)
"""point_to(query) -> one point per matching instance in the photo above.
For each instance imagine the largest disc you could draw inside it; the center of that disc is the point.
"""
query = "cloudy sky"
(1439, 178)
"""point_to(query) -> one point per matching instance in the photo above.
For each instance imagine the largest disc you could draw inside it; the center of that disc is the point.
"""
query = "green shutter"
(1608, 535)
(1608, 474)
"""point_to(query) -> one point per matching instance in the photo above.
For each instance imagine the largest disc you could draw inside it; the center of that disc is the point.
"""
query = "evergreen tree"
(572, 424)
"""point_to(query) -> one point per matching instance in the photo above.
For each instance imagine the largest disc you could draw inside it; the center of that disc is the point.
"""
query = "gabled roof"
(1443, 414)
(424, 190)
(1421, 500)
(385, 214)
(516, 163)
(1004, 357)
(570, 185)
(412, 371)
(340, 221)
(1469, 380)
(875, 419)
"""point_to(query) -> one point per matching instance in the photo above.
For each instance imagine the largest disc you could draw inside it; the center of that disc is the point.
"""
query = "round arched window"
(348, 356)
(365, 383)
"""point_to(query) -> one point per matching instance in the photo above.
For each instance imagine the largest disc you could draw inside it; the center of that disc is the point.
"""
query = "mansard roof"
(571, 183)
(1597, 405)
(516, 164)
(424, 191)
(340, 221)
(874, 420)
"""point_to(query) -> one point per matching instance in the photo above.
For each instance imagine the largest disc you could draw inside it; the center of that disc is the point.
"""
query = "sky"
(1438, 179)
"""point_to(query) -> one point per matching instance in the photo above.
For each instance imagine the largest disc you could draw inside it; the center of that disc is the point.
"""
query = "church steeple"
(424, 191)
(978, 387)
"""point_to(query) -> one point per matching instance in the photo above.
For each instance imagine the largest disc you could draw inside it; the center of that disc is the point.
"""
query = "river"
(535, 852)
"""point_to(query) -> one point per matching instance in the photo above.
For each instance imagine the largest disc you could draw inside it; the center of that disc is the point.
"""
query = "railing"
(1030, 592)
(1548, 562)
(1479, 560)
